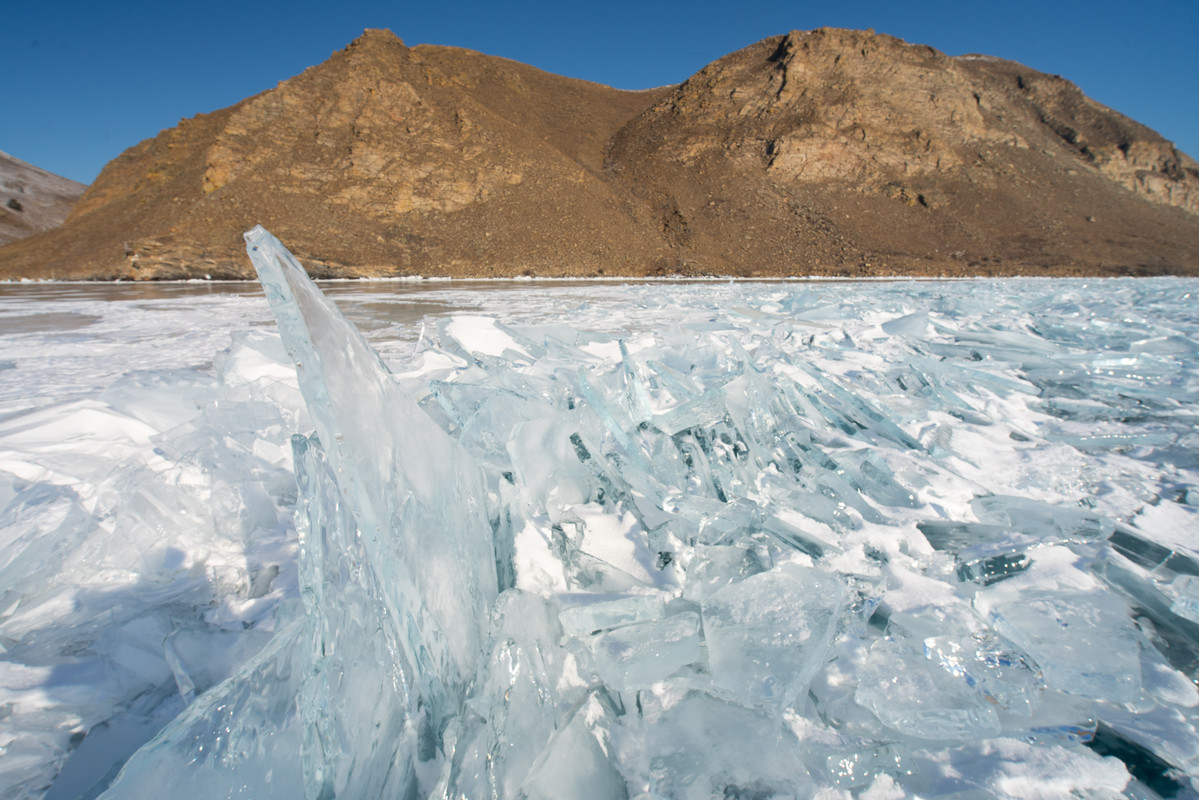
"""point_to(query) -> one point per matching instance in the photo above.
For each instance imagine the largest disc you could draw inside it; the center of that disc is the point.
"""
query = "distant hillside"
(31, 199)
(821, 152)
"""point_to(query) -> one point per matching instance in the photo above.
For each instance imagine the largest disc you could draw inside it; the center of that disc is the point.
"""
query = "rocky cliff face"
(861, 151)
(822, 152)
(31, 199)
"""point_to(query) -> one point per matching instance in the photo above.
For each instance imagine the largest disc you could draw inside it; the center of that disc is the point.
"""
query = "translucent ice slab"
(915, 696)
(1084, 641)
(769, 633)
(641, 654)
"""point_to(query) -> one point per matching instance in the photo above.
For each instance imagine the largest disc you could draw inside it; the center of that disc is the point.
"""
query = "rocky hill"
(821, 152)
(31, 199)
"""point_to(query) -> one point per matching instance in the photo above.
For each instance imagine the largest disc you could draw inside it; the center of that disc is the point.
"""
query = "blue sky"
(83, 81)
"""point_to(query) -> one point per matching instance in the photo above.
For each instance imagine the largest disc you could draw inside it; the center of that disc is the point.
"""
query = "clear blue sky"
(82, 81)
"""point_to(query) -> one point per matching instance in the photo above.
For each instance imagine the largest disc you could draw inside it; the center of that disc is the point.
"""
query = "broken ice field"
(668, 540)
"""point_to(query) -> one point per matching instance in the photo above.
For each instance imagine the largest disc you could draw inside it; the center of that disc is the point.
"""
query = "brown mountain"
(32, 199)
(822, 152)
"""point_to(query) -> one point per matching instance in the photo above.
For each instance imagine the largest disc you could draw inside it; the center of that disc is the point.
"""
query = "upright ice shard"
(417, 498)
(398, 580)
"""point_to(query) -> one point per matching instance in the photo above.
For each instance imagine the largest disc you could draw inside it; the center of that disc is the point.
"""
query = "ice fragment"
(916, 696)
(1065, 633)
(768, 634)
(642, 653)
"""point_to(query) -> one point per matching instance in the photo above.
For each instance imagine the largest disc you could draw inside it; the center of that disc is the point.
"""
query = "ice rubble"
(144, 550)
(702, 572)
(749, 553)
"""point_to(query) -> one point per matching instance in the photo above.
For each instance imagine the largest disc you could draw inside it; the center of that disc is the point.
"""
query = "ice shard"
(398, 578)
(769, 633)
(244, 738)
(417, 499)
(1065, 632)
(917, 697)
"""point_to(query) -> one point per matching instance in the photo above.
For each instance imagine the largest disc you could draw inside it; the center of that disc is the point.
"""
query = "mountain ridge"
(826, 152)
(32, 199)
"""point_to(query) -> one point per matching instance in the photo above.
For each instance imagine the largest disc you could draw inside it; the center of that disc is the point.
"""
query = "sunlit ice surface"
(599, 540)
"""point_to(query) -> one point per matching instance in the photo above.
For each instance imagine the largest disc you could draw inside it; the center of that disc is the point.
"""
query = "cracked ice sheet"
(971, 452)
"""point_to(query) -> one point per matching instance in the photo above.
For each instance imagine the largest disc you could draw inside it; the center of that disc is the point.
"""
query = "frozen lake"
(667, 540)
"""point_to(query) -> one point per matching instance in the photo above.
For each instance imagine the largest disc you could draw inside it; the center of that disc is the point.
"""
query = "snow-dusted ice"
(668, 540)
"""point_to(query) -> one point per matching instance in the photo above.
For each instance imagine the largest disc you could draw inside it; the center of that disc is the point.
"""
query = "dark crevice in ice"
(1143, 764)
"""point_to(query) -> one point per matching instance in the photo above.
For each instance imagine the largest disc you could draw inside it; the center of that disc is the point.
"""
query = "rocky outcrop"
(31, 199)
(821, 152)
(860, 151)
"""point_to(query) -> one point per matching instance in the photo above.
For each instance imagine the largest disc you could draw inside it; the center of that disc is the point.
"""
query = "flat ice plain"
(676, 540)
